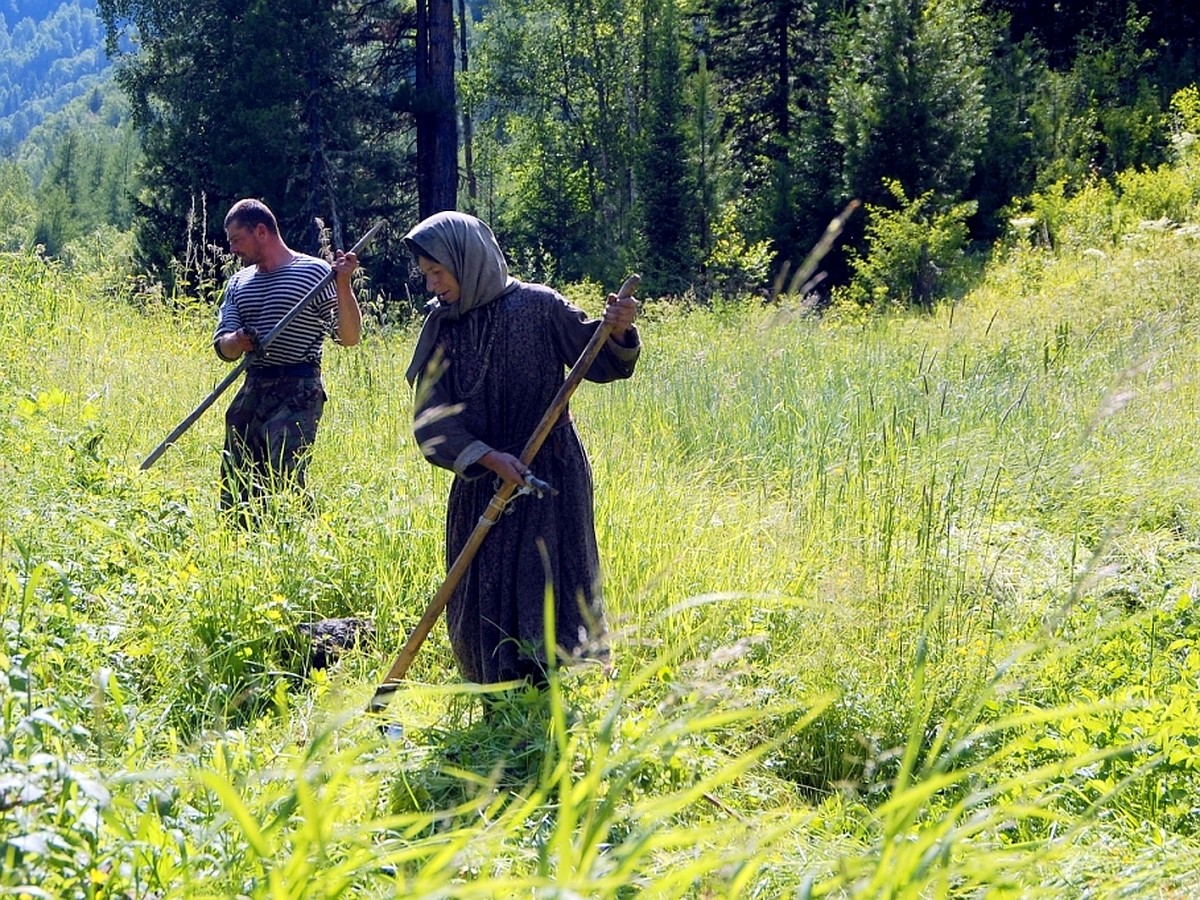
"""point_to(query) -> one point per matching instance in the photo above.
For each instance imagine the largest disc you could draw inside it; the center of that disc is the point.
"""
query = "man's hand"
(349, 316)
(344, 265)
(235, 343)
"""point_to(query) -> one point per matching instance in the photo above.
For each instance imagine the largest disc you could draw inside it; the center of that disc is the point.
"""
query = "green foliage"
(1106, 113)
(773, 63)
(1164, 193)
(550, 229)
(667, 189)
(1117, 81)
(604, 141)
(915, 253)
(1101, 213)
(1185, 129)
(910, 105)
(1097, 102)
(73, 175)
(735, 266)
(708, 152)
(105, 257)
(17, 209)
(1185, 107)
(1132, 680)
(282, 128)
(1090, 217)
(52, 833)
(554, 96)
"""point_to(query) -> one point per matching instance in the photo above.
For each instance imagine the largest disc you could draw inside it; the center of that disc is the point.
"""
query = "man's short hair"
(250, 214)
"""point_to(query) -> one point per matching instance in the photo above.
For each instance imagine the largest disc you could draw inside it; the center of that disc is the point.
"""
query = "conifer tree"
(230, 102)
(773, 62)
(17, 210)
(910, 101)
(667, 187)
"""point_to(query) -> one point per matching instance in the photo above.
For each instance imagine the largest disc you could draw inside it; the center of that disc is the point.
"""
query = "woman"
(489, 360)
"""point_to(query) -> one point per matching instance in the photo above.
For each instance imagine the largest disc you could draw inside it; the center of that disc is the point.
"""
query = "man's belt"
(292, 370)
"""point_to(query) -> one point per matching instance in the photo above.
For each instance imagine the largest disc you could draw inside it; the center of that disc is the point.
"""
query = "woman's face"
(439, 280)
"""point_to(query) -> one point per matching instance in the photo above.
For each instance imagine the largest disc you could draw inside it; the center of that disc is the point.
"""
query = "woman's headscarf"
(466, 246)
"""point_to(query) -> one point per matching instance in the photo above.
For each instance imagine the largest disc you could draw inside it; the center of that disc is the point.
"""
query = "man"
(273, 420)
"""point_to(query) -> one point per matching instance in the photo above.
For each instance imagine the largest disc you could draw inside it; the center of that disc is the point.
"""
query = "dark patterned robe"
(505, 362)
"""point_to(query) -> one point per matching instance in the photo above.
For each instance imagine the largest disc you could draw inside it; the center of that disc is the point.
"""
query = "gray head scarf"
(466, 246)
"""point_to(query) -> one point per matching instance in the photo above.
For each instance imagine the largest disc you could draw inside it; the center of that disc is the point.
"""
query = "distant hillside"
(50, 53)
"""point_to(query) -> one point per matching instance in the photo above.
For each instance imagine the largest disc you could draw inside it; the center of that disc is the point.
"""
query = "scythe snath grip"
(250, 357)
(494, 509)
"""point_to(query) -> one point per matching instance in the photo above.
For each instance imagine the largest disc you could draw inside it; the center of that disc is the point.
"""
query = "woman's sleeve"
(440, 434)
(571, 330)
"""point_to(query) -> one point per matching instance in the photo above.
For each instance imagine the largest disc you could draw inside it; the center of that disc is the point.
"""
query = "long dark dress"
(505, 363)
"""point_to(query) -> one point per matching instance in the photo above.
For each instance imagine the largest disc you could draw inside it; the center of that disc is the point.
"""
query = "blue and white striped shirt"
(258, 300)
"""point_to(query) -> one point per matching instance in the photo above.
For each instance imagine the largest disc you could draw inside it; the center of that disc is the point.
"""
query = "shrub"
(1089, 217)
(915, 253)
(1162, 193)
(736, 266)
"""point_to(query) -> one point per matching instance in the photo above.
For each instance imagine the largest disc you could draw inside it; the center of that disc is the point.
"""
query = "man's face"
(246, 243)
(439, 280)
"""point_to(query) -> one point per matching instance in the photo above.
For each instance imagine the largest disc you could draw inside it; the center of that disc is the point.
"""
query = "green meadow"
(904, 604)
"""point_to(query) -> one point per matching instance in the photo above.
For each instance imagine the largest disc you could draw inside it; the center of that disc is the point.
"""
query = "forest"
(705, 143)
(50, 53)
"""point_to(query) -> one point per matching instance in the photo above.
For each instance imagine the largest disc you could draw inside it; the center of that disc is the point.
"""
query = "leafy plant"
(915, 253)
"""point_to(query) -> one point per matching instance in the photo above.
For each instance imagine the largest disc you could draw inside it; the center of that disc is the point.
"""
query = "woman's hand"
(620, 313)
(505, 465)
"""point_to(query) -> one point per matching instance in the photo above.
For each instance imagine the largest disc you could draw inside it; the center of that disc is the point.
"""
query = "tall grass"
(904, 606)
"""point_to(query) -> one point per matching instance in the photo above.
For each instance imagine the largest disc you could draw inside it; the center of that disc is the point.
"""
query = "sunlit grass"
(902, 606)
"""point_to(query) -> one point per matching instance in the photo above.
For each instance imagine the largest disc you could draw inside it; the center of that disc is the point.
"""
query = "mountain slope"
(50, 53)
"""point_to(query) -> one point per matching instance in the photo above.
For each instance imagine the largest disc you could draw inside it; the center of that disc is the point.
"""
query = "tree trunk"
(320, 194)
(437, 127)
(468, 148)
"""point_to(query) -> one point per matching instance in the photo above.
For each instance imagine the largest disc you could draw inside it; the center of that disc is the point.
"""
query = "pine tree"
(667, 195)
(910, 102)
(773, 61)
(230, 102)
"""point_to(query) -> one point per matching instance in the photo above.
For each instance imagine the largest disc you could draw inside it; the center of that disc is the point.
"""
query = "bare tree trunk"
(467, 132)
(437, 125)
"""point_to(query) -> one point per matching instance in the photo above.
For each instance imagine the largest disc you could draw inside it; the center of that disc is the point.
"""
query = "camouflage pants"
(269, 428)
